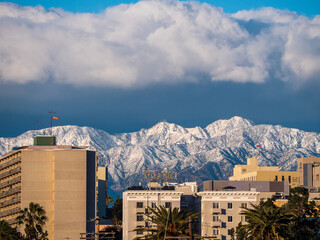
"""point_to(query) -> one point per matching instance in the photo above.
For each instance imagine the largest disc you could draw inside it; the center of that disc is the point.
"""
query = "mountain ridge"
(196, 153)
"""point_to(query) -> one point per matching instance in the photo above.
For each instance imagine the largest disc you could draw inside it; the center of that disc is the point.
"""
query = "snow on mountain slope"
(194, 153)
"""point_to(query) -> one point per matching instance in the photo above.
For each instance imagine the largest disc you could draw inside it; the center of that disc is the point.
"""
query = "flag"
(54, 117)
(259, 145)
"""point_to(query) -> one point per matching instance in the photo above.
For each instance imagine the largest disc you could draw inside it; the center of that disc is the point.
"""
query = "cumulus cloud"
(156, 41)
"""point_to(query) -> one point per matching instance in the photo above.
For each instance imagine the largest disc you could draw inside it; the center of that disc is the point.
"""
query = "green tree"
(304, 224)
(266, 221)
(169, 222)
(117, 212)
(33, 218)
(7, 232)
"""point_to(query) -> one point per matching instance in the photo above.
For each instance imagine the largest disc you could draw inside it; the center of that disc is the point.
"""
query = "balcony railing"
(10, 172)
(10, 192)
(10, 163)
(9, 202)
(10, 182)
(10, 212)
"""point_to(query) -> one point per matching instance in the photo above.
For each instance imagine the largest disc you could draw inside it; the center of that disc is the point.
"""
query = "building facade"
(220, 211)
(309, 173)
(253, 172)
(62, 179)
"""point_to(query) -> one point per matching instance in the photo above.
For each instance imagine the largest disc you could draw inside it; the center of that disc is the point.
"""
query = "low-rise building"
(253, 172)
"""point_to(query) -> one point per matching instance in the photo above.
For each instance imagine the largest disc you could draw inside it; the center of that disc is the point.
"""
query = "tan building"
(309, 172)
(62, 179)
(253, 172)
(220, 211)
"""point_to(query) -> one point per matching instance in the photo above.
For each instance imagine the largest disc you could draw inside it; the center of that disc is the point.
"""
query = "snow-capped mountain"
(193, 153)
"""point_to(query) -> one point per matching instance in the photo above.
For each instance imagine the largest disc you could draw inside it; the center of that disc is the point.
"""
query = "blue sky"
(123, 68)
(308, 8)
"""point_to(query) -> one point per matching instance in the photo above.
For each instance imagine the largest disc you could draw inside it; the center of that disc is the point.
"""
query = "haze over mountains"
(195, 154)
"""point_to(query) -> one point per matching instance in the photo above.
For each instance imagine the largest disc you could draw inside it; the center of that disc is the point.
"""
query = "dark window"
(276, 178)
(282, 178)
(244, 205)
(139, 232)
(139, 204)
(139, 217)
(229, 218)
(147, 224)
(216, 218)
(153, 205)
(289, 178)
(168, 204)
(215, 205)
(229, 205)
(229, 232)
(215, 231)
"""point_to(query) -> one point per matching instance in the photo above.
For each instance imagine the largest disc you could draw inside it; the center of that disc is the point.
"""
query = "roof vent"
(44, 140)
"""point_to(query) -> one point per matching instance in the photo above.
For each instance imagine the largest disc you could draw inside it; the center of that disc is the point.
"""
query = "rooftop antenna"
(38, 124)
(52, 117)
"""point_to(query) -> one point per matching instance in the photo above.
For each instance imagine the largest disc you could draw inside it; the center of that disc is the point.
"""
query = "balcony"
(10, 212)
(216, 211)
(10, 172)
(10, 192)
(10, 163)
(9, 202)
(10, 182)
(216, 224)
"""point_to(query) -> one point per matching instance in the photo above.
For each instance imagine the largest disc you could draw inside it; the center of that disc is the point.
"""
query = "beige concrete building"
(220, 211)
(253, 172)
(309, 172)
(62, 179)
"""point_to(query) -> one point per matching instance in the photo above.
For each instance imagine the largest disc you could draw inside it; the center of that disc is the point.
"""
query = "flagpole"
(51, 112)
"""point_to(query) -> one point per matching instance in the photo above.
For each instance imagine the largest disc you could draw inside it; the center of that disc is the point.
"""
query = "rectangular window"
(229, 205)
(215, 205)
(244, 205)
(276, 178)
(216, 218)
(139, 232)
(153, 205)
(139, 217)
(229, 231)
(215, 232)
(282, 178)
(289, 178)
(147, 224)
(139, 204)
(229, 218)
(168, 204)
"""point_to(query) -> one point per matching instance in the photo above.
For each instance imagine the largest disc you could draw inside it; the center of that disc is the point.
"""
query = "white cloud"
(156, 41)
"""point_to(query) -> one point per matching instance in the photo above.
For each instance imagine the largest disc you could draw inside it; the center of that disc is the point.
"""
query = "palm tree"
(7, 232)
(34, 219)
(169, 222)
(266, 221)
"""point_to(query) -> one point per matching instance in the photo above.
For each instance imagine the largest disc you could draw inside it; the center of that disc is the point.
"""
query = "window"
(243, 219)
(139, 217)
(282, 179)
(216, 218)
(215, 205)
(317, 177)
(139, 204)
(289, 178)
(147, 224)
(153, 205)
(244, 205)
(229, 231)
(229, 218)
(276, 178)
(215, 232)
(168, 204)
(229, 205)
(139, 232)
